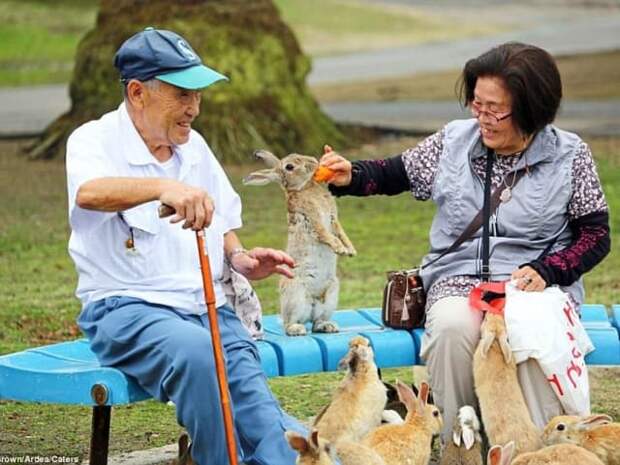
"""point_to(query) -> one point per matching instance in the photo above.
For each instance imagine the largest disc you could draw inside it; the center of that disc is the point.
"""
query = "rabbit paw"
(351, 252)
(295, 329)
(340, 250)
(325, 326)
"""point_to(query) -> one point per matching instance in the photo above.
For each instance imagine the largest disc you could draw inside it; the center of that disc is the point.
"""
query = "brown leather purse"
(404, 298)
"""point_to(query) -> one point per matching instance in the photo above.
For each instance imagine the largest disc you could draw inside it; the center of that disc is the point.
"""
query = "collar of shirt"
(136, 151)
(541, 149)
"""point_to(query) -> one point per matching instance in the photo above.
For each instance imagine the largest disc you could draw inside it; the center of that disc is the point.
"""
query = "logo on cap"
(185, 50)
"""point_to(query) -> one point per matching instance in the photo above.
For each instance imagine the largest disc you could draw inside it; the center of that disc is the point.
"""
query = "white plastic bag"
(545, 326)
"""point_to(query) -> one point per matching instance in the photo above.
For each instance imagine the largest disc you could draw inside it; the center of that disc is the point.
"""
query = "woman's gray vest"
(521, 228)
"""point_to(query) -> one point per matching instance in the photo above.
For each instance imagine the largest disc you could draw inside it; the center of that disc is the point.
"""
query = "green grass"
(578, 82)
(39, 38)
(38, 280)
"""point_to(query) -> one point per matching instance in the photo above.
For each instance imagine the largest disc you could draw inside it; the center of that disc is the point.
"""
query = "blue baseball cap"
(166, 56)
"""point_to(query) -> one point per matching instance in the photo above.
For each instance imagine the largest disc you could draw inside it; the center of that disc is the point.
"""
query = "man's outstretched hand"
(259, 263)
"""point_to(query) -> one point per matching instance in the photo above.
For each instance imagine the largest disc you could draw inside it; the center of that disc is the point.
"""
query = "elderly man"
(139, 276)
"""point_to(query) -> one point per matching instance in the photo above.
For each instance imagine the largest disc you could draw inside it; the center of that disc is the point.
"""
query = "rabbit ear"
(297, 441)
(593, 421)
(456, 432)
(506, 350)
(499, 455)
(485, 342)
(424, 391)
(314, 439)
(507, 452)
(268, 158)
(494, 456)
(406, 396)
(468, 438)
(349, 360)
(262, 177)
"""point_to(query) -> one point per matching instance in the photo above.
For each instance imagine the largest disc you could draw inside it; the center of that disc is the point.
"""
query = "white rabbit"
(466, 445)
(563, 454)
(595, 433)
(357, 404)
(502, 406)
(409, 443)
(315, 238)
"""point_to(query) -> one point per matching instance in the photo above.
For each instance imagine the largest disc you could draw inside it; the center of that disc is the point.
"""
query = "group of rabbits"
(566, 440)
(349, 428)
(315, 239)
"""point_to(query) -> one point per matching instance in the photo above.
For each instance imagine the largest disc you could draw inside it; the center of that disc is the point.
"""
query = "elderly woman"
(550, 228)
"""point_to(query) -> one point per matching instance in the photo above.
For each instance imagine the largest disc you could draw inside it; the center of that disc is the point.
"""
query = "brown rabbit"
(185, 451)
(354, 453)
(315, 238)
(595, 433)
(312, 451)
(563, 454)
(317, 451)
(466, 445)
(409, 443)
(505, 415)
(357, 404)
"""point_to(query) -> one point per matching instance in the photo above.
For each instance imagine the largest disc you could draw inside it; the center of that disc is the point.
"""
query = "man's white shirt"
(162, 267)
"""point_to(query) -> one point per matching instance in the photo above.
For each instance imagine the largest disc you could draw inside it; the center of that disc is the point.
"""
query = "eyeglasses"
(477, 111)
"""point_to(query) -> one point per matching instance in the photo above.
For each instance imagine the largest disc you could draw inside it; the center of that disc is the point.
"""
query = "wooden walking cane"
(220, 368)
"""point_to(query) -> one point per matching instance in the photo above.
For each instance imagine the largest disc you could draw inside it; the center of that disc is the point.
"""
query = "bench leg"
(100, 435)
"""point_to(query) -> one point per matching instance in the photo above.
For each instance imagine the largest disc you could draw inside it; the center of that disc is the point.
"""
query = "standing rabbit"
(466, 445)
(357, 404)
(563, 454)
(504, 413)
(409, 443)
(595, 433)
(315, 238)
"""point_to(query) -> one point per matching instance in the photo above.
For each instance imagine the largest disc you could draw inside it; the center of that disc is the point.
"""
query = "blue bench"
(69, 373)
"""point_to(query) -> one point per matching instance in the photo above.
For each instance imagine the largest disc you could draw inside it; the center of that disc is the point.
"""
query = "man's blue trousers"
(169, 353)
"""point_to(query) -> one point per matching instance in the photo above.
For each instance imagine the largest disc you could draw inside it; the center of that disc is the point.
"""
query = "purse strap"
(485, 274)
(491, 202)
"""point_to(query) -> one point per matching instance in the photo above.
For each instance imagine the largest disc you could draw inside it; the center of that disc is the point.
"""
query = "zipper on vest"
(493, 225)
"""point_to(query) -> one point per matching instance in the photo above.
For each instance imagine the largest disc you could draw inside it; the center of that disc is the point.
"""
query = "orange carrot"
(323, 174)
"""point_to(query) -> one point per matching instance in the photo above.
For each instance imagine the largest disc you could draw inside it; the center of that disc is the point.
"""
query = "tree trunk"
(266, 104)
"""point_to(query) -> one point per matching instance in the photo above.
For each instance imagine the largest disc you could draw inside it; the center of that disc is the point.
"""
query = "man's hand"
(190, 204)
(260, 263)
(528, 279)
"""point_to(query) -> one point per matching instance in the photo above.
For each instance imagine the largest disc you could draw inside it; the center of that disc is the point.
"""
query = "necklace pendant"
(506, 195)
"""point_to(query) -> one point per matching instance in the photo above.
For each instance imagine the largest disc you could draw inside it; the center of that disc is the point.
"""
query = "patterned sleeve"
(414, 170)
(421, 164)
(375, 177)
(588, 194)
